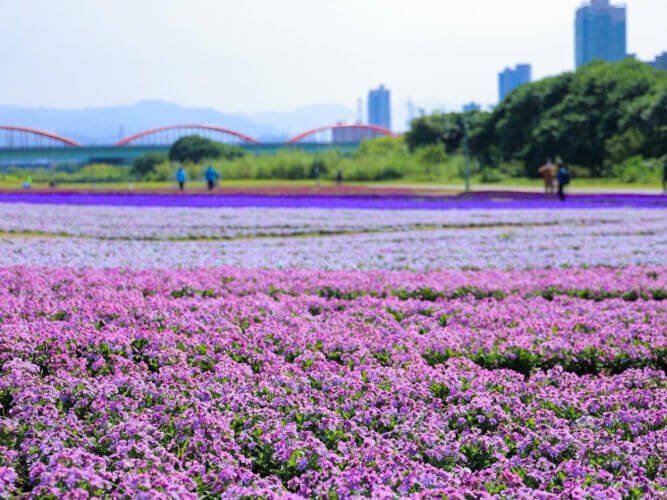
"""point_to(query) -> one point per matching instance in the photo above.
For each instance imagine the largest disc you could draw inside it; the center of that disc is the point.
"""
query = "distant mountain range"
(303, 118)
(106, 125)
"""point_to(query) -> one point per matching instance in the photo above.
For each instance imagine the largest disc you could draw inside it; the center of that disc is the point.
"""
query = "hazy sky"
(251, 55)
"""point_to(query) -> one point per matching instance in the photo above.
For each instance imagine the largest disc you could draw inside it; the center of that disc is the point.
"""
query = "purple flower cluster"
(237, 383)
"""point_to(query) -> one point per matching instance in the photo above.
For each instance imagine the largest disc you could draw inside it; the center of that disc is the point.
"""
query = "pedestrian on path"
(548, 172)
(563, 178)
(180, 178)
(211, 177)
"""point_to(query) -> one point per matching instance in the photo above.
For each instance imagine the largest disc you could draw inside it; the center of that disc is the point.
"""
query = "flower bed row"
(631, 283)
(153, 223)
(363, 200)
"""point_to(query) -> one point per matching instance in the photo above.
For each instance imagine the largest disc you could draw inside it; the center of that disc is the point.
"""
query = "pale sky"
(254, 55)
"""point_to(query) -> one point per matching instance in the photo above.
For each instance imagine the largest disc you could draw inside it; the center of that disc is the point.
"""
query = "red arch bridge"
(171, 133)
(28, 146)
(13, 137)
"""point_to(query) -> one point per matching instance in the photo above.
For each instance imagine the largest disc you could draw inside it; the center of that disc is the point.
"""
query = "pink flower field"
(261, 352)
(262, 384)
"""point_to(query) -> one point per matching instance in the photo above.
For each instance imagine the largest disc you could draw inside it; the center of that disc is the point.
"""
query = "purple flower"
(301, 463)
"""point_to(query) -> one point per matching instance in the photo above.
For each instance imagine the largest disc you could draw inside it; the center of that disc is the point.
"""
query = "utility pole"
(317, 171)
(465, 145)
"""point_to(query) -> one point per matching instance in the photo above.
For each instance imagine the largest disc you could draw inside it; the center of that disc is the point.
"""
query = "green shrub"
(491, 175)
(99, 172)
(144, 165)
(163, 172)
(638, 169)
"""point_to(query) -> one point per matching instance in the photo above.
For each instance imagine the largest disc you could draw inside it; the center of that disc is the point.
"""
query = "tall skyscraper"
(379, 107)
(510, 79)
(599, 32)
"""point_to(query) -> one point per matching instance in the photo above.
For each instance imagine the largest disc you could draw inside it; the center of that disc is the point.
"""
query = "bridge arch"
(363, 131)
(166, 130)
(36, 133)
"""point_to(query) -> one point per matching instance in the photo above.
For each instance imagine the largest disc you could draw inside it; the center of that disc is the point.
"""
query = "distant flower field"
(265, 383)
(150, 237)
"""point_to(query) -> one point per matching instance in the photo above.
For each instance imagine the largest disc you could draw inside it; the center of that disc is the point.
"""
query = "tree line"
(596, 118)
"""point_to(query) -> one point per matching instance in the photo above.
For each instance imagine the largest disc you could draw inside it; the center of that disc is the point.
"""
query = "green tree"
(593, 111)
(145, 164)
(596, 117)
(647, 115)
(437, 128)
(431, 153)
(194, 148)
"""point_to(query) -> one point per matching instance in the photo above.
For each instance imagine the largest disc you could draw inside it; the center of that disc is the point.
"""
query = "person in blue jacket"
(211, 177)
(180, 178)
(563, 178)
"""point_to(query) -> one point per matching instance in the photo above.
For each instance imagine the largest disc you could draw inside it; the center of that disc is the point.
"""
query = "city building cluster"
(379, 115)
(600, 32)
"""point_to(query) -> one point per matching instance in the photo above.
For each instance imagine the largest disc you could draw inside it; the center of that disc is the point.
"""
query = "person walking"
(180, 178)
(211, 177)
(563, 178)
(548, 172)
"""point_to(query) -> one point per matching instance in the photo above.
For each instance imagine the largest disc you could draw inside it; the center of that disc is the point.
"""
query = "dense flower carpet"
(273, 354)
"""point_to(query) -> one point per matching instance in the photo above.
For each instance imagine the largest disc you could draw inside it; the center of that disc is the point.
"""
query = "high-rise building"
(379, 107)
(660, 62)
(471, 106)
(510, 79)
(599, 32)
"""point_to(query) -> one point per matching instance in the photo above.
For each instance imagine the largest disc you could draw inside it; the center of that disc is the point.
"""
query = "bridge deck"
(126, 154)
